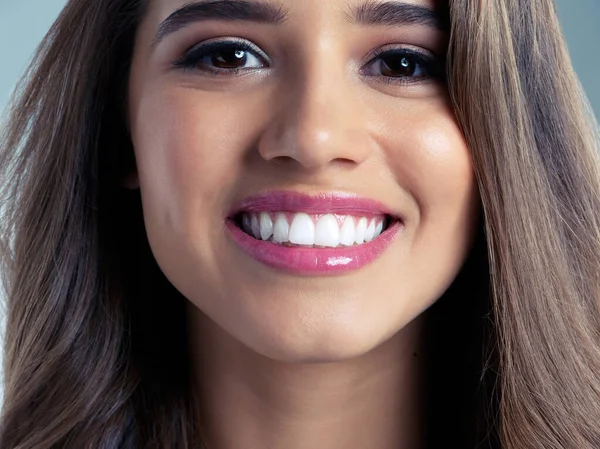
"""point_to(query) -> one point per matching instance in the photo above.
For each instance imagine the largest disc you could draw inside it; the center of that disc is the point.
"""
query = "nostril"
(283, 160)
(344, 162)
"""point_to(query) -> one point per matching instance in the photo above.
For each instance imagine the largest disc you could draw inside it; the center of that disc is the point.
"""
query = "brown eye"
(403, 65)
(230, 58)
(398, 66)
(224, 57)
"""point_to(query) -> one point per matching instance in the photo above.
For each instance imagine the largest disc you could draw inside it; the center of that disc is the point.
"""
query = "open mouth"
(322, 234)
(310, 230)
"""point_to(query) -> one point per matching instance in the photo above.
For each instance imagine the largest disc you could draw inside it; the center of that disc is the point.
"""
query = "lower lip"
(313, 261)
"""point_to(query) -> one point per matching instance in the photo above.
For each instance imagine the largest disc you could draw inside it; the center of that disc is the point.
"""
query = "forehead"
(294, 10)
(166, 16)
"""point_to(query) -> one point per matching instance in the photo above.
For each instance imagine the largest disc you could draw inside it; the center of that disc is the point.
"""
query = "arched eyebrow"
(227, 10)
(397, 13)
(394, 13)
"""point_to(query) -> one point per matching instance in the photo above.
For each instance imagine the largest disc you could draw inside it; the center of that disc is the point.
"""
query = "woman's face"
(304, 181)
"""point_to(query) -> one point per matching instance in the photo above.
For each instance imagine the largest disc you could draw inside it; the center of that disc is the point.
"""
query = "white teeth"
(255, 226)
(327, 232)
(348, 233)
(247, 223)
(361, 228)
(302, 230)
(370, 232)
(306, 230)
(281, 229)
(266, 226)
(379, 229)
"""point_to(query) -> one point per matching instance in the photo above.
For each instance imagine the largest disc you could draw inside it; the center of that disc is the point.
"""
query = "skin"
(285, 361)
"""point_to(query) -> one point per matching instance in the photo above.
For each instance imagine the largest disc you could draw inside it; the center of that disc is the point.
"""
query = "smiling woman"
(301, 224)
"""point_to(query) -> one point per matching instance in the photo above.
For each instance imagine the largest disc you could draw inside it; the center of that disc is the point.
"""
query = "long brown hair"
(95, 346)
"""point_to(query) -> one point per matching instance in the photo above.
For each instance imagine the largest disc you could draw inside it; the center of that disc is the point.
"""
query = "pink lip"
(340, 203)
(313, 261)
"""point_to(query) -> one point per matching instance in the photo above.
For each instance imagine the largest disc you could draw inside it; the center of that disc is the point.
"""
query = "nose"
(317, 122)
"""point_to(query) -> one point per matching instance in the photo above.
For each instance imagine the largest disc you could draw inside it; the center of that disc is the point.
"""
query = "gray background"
(24, 23)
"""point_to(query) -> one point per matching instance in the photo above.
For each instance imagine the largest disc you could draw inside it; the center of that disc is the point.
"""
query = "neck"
(253, 402)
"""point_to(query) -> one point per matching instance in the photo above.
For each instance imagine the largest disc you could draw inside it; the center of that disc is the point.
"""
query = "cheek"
(442, 179)
(188, 153)
(429, 158)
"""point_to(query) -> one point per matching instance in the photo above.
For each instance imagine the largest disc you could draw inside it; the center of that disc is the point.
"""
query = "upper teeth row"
(306, 230)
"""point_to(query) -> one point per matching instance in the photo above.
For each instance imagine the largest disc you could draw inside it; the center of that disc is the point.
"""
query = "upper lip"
(341, 203)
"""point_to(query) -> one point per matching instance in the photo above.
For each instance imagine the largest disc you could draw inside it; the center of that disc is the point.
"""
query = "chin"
(304, 323)
(326, 341)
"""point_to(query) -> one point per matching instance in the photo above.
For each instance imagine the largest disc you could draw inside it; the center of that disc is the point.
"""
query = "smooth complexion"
(283, 359)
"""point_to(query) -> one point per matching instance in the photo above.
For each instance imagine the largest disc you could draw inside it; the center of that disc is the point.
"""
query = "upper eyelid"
(409, 49)
(424, 55)
(248, 45)
(192, 55)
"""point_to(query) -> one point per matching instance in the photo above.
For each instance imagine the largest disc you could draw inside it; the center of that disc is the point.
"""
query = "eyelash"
(432, 66)
(192, 60)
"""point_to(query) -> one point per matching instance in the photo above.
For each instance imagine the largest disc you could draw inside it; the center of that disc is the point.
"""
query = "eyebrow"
(397, 13)
(394, 13)
(227, 10)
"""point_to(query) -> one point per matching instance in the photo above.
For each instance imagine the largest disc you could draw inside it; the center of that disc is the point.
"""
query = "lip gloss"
(306, 260)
